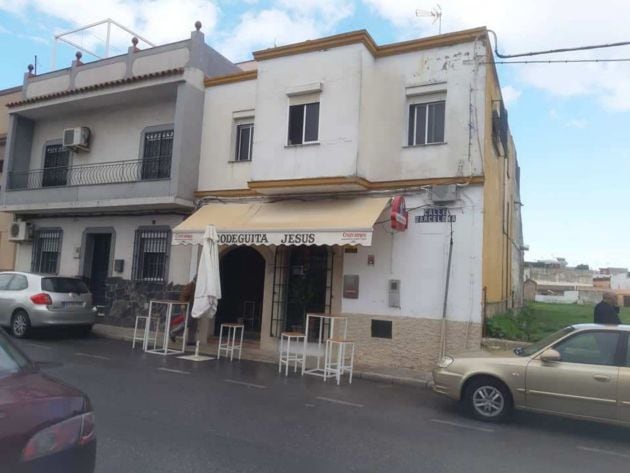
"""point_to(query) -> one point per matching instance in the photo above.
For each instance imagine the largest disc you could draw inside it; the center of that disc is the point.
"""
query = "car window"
(548, 340)
(67, 285)
(593, 348)
(11, 360)
(4, 281)
(18, 283)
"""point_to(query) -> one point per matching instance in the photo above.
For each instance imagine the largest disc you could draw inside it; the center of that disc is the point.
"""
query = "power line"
(558, 61)
(554, 51)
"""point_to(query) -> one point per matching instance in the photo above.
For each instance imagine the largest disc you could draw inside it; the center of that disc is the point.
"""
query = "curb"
(423, 383)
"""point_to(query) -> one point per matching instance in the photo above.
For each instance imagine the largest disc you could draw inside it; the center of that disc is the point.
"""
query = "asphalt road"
(161, 414)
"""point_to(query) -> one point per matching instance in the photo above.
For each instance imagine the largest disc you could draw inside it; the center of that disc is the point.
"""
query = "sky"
(570, 121)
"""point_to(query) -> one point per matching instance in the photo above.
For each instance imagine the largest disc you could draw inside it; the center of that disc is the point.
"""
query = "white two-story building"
(306, 156)
(101, 163)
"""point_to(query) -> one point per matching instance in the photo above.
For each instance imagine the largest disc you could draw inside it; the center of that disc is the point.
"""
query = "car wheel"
(20, 324)
(488, 399)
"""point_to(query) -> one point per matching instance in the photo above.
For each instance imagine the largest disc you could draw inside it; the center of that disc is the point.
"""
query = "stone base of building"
(415, 342)
(125, 299)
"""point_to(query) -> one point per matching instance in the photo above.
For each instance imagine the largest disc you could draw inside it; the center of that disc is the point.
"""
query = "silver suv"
(37, 300)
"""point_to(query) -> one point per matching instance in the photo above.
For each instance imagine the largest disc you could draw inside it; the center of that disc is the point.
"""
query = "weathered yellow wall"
(499, 174)
(7, 249)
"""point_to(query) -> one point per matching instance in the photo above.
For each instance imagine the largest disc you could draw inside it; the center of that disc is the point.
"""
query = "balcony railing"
(89, 174)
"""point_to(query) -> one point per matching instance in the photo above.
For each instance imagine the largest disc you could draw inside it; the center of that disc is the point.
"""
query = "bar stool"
(342, 364)
(230, 346)
(145, 331)
(285, 351)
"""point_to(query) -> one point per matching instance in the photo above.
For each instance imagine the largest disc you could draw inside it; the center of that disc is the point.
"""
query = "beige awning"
(289, 222)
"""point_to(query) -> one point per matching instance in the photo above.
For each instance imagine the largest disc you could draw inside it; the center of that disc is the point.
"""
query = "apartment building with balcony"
(375, 182)
(101, 163)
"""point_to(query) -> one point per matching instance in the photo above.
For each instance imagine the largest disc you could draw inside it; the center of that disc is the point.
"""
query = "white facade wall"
(620, 281)
(124, 227)
(363, 121)
(418, 258)
(222, 109)
(116, 133)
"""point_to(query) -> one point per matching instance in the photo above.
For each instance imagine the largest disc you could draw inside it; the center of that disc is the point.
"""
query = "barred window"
(56, 159)
(46, 251)
(157, 154)
(151, 253)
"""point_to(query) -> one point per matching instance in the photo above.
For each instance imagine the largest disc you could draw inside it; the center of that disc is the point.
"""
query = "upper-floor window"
(157, 154)
(426, 123)
(303, 123)
(151, 253)
(46, 251)
(56, 159)
(244, 141)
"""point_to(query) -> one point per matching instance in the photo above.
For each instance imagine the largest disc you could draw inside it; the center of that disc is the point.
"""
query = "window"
(151, 254)
(381, 328)
(18, 283)
(426, 123)
(303, 123)
(244, 141)
(46, 251)
(592, 348)
(56, 159)
(73, 285)
(157, 154)
(5, 279)
(11, 360)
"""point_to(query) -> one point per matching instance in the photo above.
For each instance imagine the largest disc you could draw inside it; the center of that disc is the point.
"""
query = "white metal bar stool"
(145, 331)
(342, 364)
(285, 351)
(231, 345)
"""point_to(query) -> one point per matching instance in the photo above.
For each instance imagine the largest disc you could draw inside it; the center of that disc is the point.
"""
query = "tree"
(583, 266)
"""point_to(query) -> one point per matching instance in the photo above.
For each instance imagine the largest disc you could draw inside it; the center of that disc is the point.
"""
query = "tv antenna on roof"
(435, 13)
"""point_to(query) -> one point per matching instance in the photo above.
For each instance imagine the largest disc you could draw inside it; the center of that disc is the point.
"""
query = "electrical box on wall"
(119, 265)
(351, 286)
(394, 292)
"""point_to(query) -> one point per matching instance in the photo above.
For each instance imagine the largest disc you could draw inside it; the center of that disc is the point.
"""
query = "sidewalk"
(253, 352)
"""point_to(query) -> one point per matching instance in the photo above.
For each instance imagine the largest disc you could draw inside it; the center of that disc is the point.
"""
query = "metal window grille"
(151, 253)
(46, 251)
(157, 154)
(56, 160)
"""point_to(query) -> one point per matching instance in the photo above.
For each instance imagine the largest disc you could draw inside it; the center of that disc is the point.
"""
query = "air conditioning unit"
(444, 194)
(77, 139)
(20, 231)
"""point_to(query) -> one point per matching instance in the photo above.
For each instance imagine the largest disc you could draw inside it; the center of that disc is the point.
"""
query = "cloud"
(287, 22)
(4, 30)
(510, 94)
(537, 25)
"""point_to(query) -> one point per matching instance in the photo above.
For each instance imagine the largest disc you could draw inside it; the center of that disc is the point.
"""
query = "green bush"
(520, 326)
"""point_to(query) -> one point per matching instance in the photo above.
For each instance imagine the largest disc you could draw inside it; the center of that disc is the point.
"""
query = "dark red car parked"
(45, 425)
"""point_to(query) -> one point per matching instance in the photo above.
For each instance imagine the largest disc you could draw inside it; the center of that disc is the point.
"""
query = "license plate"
(73, 304)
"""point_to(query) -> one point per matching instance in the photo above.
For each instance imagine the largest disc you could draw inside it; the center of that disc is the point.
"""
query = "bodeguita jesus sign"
(359, 237)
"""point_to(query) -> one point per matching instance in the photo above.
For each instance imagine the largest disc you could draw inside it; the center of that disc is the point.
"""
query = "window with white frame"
(303, 123)
(244, 141)
(426, 123)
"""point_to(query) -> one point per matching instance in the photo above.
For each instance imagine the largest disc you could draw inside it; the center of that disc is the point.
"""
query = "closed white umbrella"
(208, 288)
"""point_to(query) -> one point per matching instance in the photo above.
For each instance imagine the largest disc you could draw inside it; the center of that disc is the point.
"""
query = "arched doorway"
(242, 286)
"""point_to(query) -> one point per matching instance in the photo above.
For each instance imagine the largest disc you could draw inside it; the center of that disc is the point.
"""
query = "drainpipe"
(448, 279)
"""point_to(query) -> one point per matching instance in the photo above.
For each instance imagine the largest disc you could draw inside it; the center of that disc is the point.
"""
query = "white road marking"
(97, 357)
(243, 383)
(339, 401)
(37, 345)
(174, 371)
(603, 452)
(462, 426)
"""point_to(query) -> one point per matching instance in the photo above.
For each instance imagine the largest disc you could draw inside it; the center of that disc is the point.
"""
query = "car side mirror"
(550, 356)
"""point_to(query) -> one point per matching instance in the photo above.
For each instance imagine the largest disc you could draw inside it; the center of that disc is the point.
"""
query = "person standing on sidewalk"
(187, 295)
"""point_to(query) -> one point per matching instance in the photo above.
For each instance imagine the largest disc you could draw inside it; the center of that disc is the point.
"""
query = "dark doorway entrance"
(97, 253)
(307, 284)
(242, 285)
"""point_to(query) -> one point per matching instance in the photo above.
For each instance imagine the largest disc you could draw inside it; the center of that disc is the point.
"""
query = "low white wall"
(569, 297)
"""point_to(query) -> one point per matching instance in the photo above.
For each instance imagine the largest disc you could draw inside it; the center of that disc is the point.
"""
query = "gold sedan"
(581, 371)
